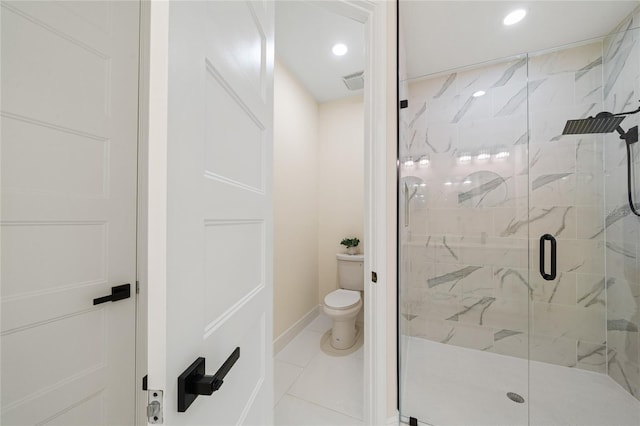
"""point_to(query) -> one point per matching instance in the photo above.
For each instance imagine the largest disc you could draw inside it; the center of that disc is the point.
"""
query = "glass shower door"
(584, 321)
(519, 281)
(463, 241)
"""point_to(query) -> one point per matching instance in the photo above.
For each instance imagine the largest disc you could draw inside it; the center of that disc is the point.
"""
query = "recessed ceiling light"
(514, 17)
(339, 49)
(479, 93)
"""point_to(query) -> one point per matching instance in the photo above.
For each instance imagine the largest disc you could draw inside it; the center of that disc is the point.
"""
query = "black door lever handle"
(118, 292)
(193, 381)
(204, 385)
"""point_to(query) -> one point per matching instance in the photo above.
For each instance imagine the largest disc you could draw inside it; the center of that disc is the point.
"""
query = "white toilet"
(343, 305)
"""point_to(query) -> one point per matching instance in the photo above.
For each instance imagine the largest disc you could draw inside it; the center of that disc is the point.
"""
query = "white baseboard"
(393, 420)
(283, 340)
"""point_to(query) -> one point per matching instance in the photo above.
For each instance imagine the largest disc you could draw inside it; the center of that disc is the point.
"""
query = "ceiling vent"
(354, 81)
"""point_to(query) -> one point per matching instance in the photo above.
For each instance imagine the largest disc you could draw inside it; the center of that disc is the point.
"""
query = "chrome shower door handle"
(554, 247)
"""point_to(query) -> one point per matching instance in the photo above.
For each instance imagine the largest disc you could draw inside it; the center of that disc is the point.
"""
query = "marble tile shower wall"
(622, 233)
(479, 206)
(568, 314)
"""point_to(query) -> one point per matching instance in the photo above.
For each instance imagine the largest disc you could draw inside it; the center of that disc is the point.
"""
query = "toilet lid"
(341, 299)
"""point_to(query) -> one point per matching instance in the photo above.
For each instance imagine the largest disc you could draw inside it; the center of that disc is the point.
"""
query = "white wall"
(340, 184)
(295, 201)
(318, 193)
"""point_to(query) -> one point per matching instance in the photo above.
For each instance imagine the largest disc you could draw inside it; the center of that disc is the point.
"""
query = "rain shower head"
(604, 122)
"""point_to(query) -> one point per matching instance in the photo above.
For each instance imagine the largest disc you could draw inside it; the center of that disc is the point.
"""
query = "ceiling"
(441, 35)
(438, 35)
(305, 34)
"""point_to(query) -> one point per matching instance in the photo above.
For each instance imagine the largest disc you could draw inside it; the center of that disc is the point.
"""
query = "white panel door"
(68, 216)
(218, 290)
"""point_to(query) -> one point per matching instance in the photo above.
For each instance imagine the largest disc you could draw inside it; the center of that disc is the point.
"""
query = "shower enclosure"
(519, 280)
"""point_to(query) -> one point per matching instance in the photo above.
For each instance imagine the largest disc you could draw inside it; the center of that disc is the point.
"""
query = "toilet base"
(325, 343)
(343, 331)
(343, 334)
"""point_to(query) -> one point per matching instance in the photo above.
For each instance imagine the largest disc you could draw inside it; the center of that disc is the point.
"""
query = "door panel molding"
(379, 387)
(69, 135)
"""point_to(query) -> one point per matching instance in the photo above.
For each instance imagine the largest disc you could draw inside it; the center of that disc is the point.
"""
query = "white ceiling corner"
(305, 33)
(438, 35)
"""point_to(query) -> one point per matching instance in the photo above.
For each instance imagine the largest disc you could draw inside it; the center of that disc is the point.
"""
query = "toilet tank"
(351, 271)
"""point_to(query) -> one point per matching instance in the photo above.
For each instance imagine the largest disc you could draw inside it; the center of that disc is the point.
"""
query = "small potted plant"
(351, 244)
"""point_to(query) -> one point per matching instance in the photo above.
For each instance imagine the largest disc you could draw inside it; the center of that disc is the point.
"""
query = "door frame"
(143, 222)
(379, 231)
(380, 162)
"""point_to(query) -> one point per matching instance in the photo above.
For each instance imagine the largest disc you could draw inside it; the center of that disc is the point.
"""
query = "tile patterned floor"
(312, 388)
(444, 385)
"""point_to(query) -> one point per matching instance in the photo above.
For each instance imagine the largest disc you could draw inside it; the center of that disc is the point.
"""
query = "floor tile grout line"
(324, 407)
(300, 375)
(287, 362)
(304, 368)
(291, 363)
(286, 392)
(282, 350)
(313, 402)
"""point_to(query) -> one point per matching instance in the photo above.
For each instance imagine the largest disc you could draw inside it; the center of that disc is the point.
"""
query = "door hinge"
(154, 409)
(404, 104)
(374, 276)
(144, 383)
(137, 287)
(413, 421)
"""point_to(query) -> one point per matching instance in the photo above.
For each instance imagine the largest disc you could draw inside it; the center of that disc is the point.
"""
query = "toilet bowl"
(344, 304)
